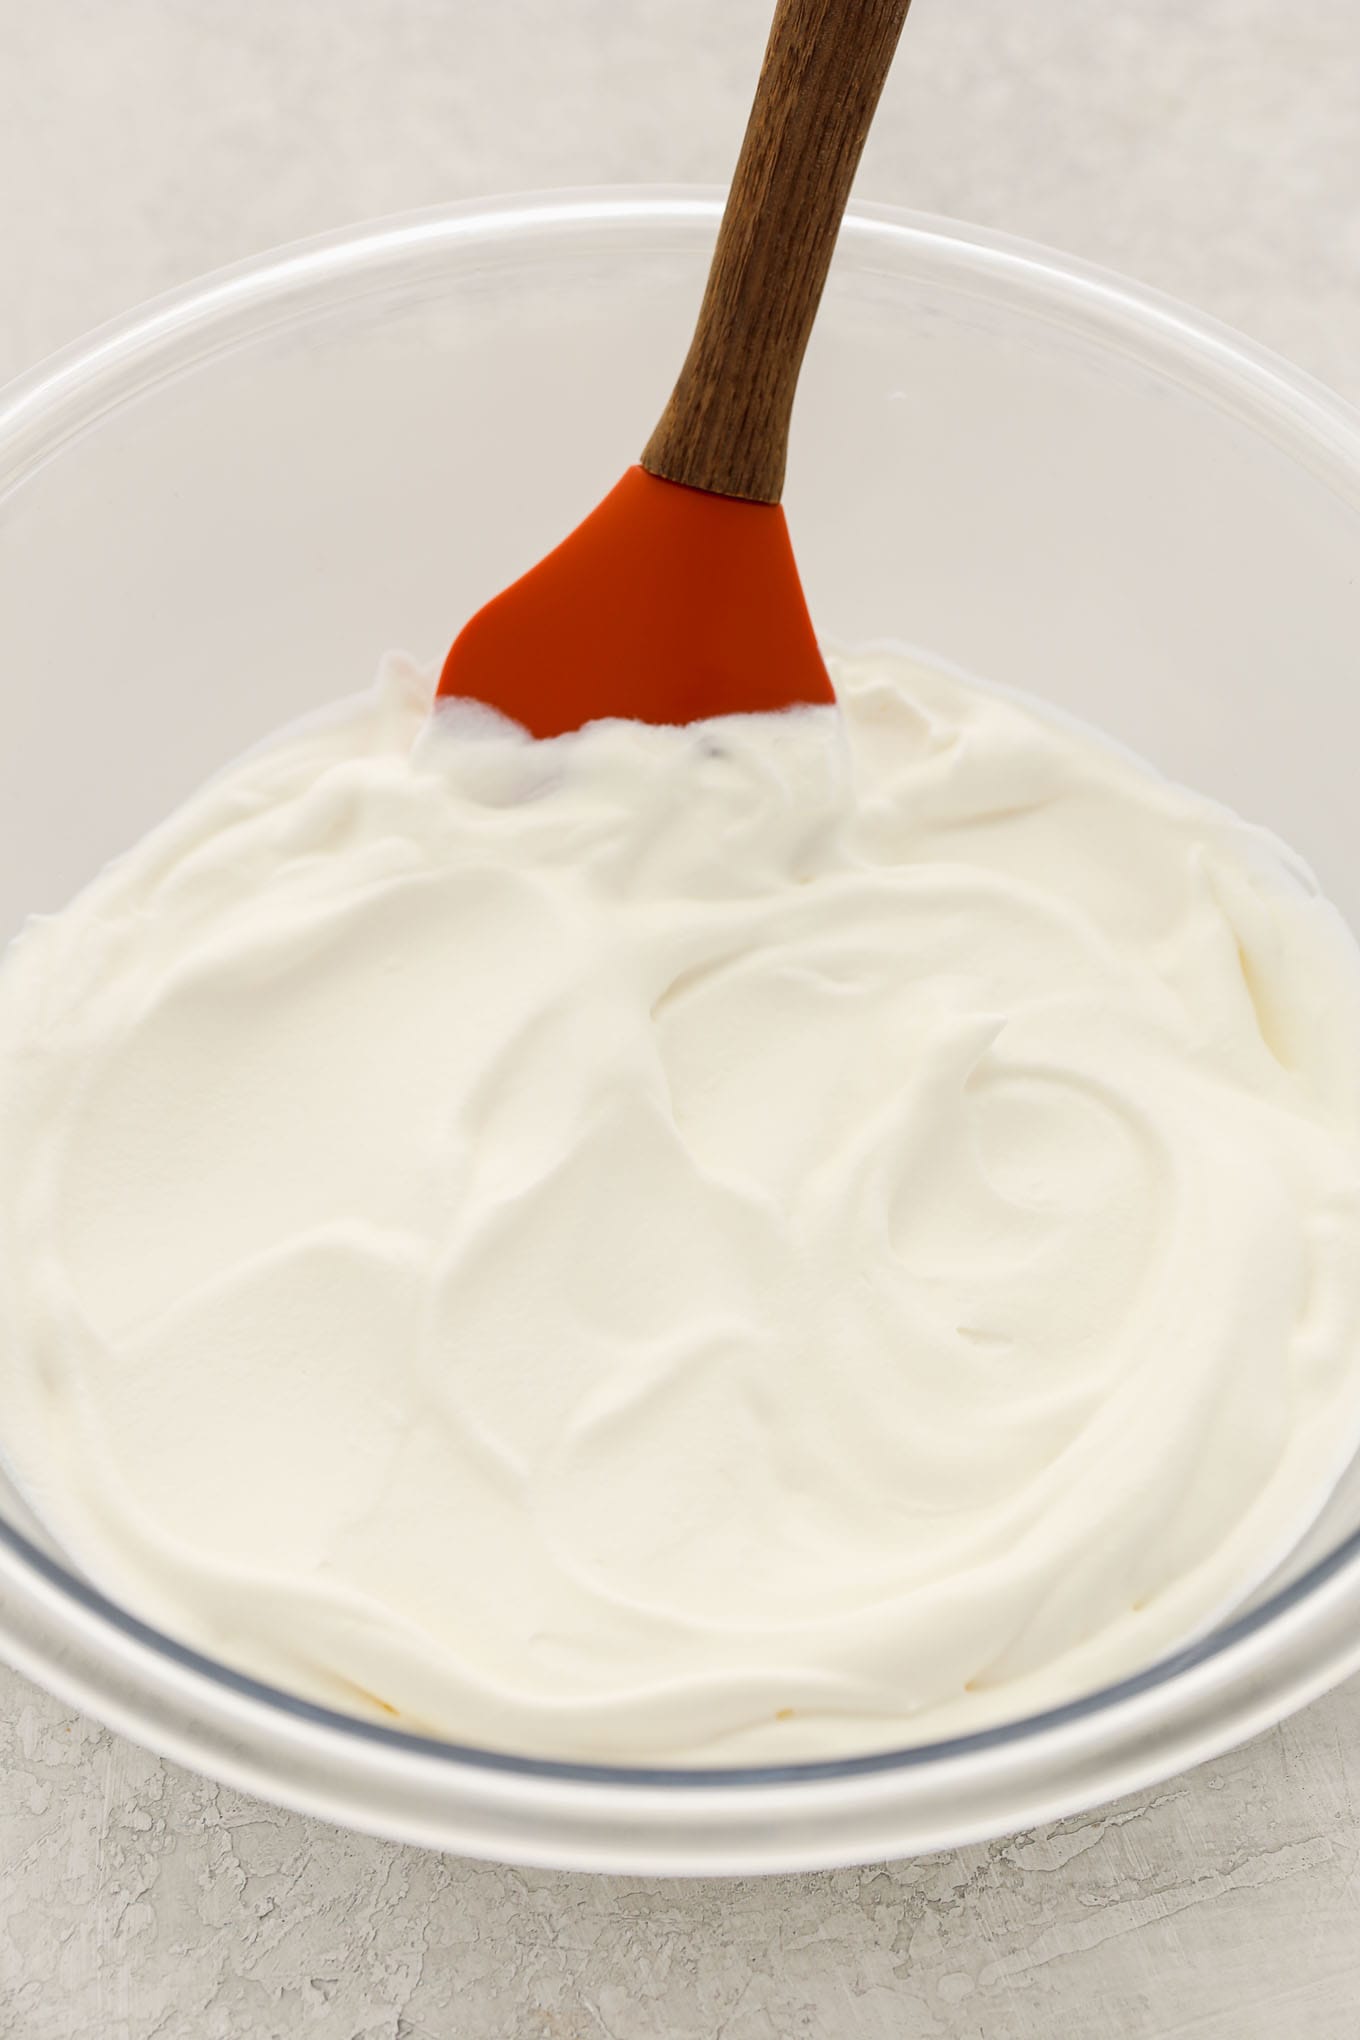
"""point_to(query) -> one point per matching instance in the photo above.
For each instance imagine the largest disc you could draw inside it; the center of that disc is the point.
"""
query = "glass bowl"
(219, 511)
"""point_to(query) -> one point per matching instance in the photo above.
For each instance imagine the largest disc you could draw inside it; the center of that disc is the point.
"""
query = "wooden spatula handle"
(726, 426)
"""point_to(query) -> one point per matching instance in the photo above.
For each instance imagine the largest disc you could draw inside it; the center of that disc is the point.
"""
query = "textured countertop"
(1207, 146)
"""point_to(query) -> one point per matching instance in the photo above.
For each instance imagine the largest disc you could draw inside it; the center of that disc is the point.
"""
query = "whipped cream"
(754, 1242)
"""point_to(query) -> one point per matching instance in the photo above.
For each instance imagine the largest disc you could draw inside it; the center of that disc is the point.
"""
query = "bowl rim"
(42, 408)
(1111, 301)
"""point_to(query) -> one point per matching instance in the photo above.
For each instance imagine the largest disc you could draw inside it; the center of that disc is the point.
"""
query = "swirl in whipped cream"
(753, 1242)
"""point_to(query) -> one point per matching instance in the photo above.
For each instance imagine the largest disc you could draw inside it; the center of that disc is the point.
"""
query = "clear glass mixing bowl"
(221, 510)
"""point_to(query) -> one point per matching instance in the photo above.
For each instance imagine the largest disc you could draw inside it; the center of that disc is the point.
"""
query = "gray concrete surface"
(1207, 146)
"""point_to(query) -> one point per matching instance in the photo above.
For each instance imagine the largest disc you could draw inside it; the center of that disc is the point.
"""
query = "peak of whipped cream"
(756, 1242)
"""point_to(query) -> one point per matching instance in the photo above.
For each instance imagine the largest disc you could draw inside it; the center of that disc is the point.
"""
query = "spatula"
(678, 597)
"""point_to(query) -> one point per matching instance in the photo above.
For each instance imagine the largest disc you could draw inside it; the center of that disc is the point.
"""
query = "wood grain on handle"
(726, 426)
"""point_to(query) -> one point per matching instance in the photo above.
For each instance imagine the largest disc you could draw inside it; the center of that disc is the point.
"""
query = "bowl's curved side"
(569, 1818)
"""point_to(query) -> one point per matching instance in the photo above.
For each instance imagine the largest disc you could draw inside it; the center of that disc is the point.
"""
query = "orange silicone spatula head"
(678, 597)
(666, 605)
